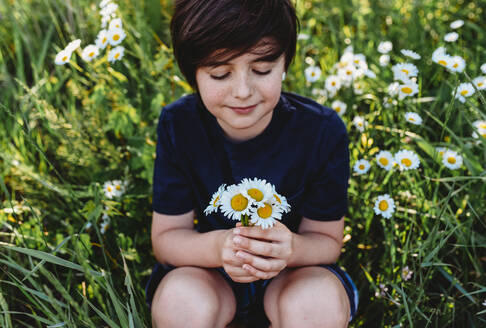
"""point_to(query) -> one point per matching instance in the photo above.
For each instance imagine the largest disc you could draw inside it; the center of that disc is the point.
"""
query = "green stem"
(244, 220)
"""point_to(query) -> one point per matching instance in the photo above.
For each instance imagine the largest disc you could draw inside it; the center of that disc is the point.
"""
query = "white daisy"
(407, 160)
(347, 74)
(384, 206)
(359, 60)
(120, 187)
(265, 215)
(104, 3)
(234, 204)
(360, 123)
(481, 129)
(116, 36)
(385, 160)
(116, 54)
(393, 89)
(369, 73)
(441, 150)
(361, 166)
(333, 83)
(464, 90)
(105, 20)
(109, 189)
(358, 88)
(406, 273)
(102, 39)
(384, 60)
(388, 102)
(303, 36)
(437, 52)
(215, 200)
(280, 201)
(73, 45)
(410, 53)
(385, 47)
(451, 37)
(404, 71)
(480, 82)
(407, 90)
(109, 9)
(413, 118)
(483, 68)
(115, 23)
(457, 65)
(345, 60)
(456, 24)
(339, 107)
(90, 52)
(258, 190)
(62, 57)
(312, 73)
(452, 160)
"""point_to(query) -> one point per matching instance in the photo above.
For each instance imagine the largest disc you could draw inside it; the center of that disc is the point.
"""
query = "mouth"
(243, 110)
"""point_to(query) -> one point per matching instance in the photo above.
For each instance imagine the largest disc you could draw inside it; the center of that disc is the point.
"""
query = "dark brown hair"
(201, 27)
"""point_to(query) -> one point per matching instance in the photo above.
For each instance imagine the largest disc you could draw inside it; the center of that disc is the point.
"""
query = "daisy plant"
(252, 201)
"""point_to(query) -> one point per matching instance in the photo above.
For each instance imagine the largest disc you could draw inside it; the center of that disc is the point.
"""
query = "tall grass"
(68, 129)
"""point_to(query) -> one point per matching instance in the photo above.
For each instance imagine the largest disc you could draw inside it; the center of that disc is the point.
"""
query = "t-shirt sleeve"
(172, 193)
(327, 196)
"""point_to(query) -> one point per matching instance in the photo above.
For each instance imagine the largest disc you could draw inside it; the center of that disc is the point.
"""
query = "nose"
(242, 87)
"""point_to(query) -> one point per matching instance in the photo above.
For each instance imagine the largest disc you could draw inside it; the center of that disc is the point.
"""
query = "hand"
(264, 252)
(232, 264)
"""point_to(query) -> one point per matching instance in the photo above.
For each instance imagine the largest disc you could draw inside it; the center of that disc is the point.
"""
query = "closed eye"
(262, 72)
(220, 77)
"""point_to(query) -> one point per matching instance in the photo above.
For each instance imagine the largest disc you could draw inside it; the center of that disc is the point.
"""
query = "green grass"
(68, 129)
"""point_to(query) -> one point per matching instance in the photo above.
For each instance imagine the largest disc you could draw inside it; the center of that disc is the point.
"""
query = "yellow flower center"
(484, 135)
(333, 83)
(117, 55)
(313, 74)
(116, 37)
(239, 202)
(277, 198)
(348, 72)
(383, 205)
(361, 167)
(451, 160)
(407, 162)
(405, 71)
(109, 189)
(480, 84)
(360, 123)
(338, 109)
(104, 40)
(455, 65)
(64, 58)
(356, 61)
(442, 62)
(407, 90)
(383, 161)
(265, 212)
(255, 194)
(216, 200)
(91, 54)
(411, 119)
(464, 92)
(118, 187)
(482, 125)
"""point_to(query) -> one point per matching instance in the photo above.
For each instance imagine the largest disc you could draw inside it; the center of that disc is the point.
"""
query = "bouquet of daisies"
(252, 201)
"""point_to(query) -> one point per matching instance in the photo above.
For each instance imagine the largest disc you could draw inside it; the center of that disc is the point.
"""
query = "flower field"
(82, 84)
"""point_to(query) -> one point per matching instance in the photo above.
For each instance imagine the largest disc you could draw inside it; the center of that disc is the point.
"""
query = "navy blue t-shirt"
(303, 152)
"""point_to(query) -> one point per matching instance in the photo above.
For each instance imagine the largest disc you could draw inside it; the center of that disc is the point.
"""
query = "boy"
(239, 125)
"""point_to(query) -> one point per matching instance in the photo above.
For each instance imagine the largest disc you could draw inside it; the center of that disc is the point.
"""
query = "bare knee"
(187, 297)
(313, 297)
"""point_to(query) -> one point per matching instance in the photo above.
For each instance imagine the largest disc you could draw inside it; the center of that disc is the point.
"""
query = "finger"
(271, 234)
(260, 274)
(259, 263)
(257, 247)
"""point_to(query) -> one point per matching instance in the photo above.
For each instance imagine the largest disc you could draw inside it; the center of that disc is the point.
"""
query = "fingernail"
(237, 240)
(236, 231)
(240, 254)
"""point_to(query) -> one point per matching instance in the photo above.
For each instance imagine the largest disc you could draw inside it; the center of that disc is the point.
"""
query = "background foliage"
(68, 129)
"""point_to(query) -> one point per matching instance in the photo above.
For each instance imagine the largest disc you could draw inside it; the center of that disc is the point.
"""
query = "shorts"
(249, 296)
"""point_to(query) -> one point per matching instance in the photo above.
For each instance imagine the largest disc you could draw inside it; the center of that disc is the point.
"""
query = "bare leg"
(307, 297)
(193, 297)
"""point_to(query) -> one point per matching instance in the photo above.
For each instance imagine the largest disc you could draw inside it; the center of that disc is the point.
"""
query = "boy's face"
(242, 93)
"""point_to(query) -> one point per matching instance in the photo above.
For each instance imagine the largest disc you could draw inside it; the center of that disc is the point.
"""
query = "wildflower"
(384, 60)
(407, 90)
(63, 57)
(303, 36)
(410, 53)
(451, 37)
(215, 200)
(464, 90)
(393, 89)
(452, 160)
(438, 51)
(480, 82)
(234, 203)
(361, 166)
(119, 187)
(312, 73)
(457, 65)
(104, 226)
(441, 150)
(339, 107)
(407, 160)
(360, 123)
(109, 9)
(88, 225)
(109, 189)
(73, 45)
(404, 71)
(347, 74)
(333, 83)
(389, 102)
(385, 160)
(384, 206)
(382, 291)
(102, 39)
(369, 73)
(483, 68)
(481, 127)
(413, 118)
(385, 47)
(358, 88)
(115, 23)
(105, 20)
(406, 273)
(90, 52)
(116, 54)
(265, 215)
(280, 201)
(346, 59)
(456, 24)
(258, 190)
(104, 3)
(484, 303)
(116, 36)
